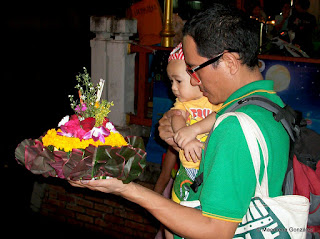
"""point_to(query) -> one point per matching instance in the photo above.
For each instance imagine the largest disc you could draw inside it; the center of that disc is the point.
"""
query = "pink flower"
(81, 108)
(72, 128)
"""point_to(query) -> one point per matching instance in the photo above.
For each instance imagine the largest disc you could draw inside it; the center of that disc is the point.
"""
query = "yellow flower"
(68, 143)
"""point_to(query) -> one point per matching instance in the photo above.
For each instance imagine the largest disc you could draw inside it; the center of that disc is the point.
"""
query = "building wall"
(104, 213)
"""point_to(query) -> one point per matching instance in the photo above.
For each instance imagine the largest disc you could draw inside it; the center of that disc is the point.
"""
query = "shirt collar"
(256, 87)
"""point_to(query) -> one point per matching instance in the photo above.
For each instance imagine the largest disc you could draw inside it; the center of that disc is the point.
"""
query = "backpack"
(303, 173)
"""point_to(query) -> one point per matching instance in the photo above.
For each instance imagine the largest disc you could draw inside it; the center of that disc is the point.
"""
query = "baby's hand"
(193, 150)
(184, 136)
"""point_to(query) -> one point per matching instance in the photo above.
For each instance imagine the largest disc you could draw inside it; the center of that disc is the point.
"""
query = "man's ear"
(232, 62)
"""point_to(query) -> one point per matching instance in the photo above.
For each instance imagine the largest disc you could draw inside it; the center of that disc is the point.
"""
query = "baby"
(192, 126)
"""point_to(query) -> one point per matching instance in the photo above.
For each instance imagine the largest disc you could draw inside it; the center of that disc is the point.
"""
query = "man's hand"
(112, 185)
(165, 129)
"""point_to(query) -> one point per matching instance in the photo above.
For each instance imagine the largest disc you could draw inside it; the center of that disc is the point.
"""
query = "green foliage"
(101, 111)
(88, 104)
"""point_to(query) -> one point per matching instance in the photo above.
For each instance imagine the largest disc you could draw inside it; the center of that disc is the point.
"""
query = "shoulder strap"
(286, 115)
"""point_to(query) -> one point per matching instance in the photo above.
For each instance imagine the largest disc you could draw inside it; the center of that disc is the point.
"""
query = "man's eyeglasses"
(192, 71)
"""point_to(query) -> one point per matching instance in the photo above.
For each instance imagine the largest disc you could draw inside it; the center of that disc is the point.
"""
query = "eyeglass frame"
(192, 71)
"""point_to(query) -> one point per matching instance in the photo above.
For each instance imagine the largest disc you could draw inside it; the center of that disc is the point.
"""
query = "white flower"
(63, 120)
(111, 127)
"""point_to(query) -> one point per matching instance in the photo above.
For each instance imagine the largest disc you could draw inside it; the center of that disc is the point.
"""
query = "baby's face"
(180, 82)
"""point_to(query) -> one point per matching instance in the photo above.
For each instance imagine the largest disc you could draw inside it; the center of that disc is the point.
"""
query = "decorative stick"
(99, 93)
(81, 101)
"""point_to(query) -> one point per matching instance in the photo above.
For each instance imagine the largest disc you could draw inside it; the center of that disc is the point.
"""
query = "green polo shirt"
(229, 179)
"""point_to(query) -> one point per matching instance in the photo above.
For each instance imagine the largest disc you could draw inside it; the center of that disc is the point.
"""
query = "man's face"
(214, 81)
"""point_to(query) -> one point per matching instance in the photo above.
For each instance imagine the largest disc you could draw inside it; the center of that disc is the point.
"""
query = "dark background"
(44, 47)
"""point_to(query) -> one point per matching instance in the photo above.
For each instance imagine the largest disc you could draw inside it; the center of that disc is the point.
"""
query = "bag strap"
(286, 115)
(254, 138)
(197, 182)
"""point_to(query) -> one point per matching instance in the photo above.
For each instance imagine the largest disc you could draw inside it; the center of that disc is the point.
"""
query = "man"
(282, 19)
(303, 24)
(229, 40)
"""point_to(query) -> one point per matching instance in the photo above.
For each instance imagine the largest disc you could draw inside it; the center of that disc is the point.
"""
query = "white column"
(110, 61)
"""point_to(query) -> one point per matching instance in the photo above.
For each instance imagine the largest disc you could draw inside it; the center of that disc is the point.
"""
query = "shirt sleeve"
(229, 180)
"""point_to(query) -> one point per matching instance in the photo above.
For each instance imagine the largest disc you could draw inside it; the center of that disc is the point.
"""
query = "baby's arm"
(186, 134)
(178, 121)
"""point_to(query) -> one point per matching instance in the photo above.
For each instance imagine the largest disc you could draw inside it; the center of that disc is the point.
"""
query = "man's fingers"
(171, 113)
(76, 184)
(82, 183)
(165, 132)
(171, 142)
(109, 185)
(166, 118)
(165, 129)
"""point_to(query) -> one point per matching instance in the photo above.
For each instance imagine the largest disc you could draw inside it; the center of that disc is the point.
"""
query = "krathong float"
(85, 145)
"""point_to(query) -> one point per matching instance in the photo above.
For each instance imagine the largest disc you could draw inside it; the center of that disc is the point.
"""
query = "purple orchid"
(97, 133)
(64, 133)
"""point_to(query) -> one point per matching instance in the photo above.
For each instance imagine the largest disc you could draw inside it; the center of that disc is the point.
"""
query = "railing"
(143, 89)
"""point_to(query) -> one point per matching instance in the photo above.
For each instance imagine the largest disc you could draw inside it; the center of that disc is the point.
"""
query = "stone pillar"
(110, 61)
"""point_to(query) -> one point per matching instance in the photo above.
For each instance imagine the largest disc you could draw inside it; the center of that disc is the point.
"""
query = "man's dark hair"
(222, 28)
(304, 4)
